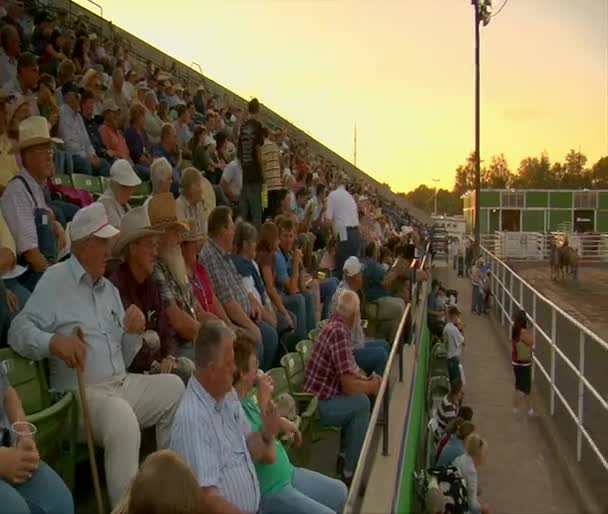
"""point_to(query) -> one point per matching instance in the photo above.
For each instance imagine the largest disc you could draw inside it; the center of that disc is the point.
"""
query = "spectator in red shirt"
(342, 387)
(138, 245)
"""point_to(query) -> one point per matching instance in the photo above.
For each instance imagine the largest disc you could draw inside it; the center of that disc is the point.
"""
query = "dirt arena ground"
(585, 299)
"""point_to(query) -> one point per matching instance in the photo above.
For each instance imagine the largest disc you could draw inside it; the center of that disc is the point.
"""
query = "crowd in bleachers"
(216, 245)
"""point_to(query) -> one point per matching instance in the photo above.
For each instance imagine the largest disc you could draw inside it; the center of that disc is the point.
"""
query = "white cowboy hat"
(34, 131)
(135, 225)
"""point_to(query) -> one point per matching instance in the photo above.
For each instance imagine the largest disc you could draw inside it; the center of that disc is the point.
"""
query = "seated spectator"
(455, 341)
(11, 46)
(75, 135)
(333, 375)
(137, 244)
(448, 409)
(164, 484)
(115, 199)
(467, 464)
(161, 177)
(135, 136)
(65, 74)
(267, 245)
(245, 241)
(182, 129)
(315, 211)
(301, 201)
(87, 111)
(47, 104)
(92, 81)
(184, 313)
(292, 278)
(466, 414)
(38, 235)
(371, 354)
(26, 81)
(211, 433)
(8, 162)
(118, 98)
(80, 57)
(25, 482)
(283, 487)
(169, 149)
(69, 328)
(196, 201)
(114, 141)
(228, 286)
(231, 182)
(200, 159)
(152, 123)
(434, 306)
(379, 304)
(199, 100)
(456, 432)
(18, 110)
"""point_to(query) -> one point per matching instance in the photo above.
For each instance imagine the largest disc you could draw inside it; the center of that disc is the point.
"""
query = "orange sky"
(403, 71)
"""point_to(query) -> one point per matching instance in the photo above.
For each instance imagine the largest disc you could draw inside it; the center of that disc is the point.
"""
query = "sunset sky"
(402, 70)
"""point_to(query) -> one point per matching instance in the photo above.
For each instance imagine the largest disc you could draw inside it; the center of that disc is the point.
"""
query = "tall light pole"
(483, 9)
(436, 180)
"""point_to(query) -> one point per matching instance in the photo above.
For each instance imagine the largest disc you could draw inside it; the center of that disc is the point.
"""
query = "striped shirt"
(446, 412)
(271, 165)
(227, 283)
(18, 209)
(211, 436)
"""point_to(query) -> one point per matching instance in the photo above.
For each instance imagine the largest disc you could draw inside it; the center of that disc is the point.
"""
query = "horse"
(555, 261)
(569, 260)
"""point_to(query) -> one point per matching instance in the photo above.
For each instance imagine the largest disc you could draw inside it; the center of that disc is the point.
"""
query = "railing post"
(533, 330)
(504, 293)
(386, 402)
(581, 395)
(552, 371)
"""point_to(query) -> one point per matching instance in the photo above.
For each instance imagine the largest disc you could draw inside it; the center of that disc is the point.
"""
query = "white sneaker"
(531, 413)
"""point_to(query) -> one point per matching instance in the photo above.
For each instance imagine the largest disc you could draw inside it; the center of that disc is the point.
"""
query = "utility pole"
(482, 15)
(436, 181)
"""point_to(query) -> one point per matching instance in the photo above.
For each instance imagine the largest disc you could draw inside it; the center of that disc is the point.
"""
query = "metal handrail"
(98, 7)
(578, 371)
(365, 449)
(381, 402)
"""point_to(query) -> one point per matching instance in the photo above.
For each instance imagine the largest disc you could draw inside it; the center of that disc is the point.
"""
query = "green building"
(538, 210)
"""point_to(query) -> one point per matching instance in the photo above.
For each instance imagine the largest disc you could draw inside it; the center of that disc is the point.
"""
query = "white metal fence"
(570, 362)
(536, 246)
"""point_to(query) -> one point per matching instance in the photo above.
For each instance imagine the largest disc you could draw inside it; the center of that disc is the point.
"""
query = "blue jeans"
(477, 300)
(372, 357)
(327, 288)
(296, 304)
(143, 172)
(348, 248)
(351, 414)
(309, 493)
(250, 204)
(44, 493)
(82, 165)
(64, 211)
(310, 299)
(267, 351)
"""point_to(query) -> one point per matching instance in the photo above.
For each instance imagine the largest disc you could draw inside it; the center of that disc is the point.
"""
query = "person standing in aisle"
(342, 212)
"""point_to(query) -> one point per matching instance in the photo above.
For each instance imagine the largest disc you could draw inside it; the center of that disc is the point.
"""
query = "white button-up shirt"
(73, 132)
(342, 211)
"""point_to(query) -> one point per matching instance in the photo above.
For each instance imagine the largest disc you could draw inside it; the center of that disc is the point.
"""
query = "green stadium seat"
(140, 194)
(52, 419)
(62, 180)
(313, 334)
(304, 348)
(105, 182)
(87, 183)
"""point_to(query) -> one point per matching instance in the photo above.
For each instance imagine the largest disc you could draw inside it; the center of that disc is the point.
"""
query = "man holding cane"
(76, 319)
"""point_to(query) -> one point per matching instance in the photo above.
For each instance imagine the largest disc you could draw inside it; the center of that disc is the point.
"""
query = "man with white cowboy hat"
(38, 235)
(86, 326)
(183, 310)
(123, 181)
(137, 245)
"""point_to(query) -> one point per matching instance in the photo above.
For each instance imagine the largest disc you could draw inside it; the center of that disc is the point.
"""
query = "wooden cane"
(84, 404)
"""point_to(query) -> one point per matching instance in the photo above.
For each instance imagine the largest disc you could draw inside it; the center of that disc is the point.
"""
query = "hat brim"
(106, 232)
(133, 181)
(130, 237)
(34, 141)
(180, 225)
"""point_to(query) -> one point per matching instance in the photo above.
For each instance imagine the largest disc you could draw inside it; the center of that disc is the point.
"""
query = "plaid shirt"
(357, 335)
(171, 293)
(332, 357)
(226, 280)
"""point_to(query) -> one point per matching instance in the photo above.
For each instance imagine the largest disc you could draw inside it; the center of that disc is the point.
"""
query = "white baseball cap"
(352, 266)
(91, 221)
(122, 173)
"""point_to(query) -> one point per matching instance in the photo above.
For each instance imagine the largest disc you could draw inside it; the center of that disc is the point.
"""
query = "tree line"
(532, 173)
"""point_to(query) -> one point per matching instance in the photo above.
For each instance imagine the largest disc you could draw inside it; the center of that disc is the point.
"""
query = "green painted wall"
(484, 221)
(603, 200)
(557, 217)
(561, 199)
(537, 199)
(533, 221)
(489, 199)
(602, 221)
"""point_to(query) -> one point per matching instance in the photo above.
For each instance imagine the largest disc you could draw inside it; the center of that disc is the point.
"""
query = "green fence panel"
(415, 428)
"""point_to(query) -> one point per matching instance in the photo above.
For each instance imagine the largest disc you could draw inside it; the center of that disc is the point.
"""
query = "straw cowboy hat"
(193, 236)
(163, 213)
(135, 225)
(34, 131)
